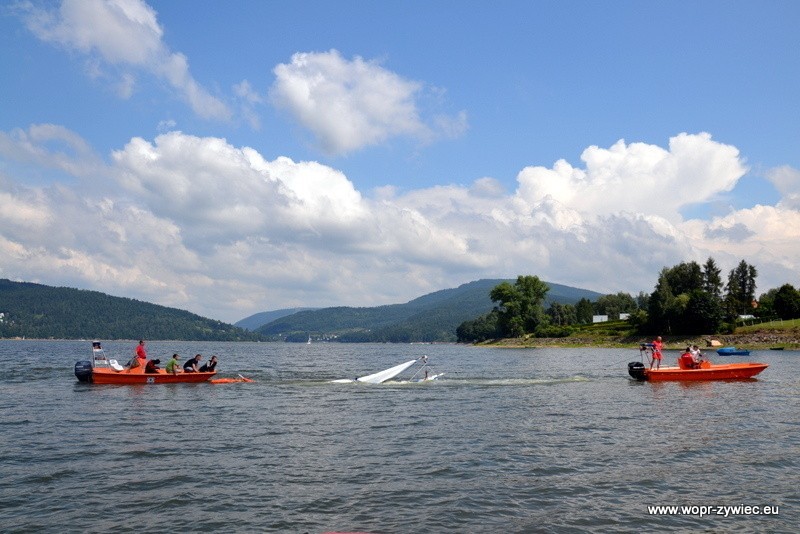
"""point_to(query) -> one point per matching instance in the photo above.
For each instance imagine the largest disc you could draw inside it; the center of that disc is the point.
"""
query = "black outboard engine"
(83, 370)
(635, 369)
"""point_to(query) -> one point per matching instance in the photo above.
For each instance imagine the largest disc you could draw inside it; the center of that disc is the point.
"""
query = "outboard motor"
(636, 370)
(83, 370)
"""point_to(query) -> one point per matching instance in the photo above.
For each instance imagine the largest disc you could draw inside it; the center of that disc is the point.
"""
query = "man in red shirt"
(657, 347)
(141, 353)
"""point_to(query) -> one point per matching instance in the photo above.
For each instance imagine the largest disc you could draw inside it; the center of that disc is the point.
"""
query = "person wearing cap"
(173, 366)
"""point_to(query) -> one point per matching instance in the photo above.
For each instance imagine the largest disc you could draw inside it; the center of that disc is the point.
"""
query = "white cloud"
(126, 34)
(638, 177)
(787, 181)
(348, 105)
(197, 223)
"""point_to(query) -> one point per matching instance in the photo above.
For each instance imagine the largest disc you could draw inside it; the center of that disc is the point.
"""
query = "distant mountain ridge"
(260, 319)
(429, 318)
(37, 311)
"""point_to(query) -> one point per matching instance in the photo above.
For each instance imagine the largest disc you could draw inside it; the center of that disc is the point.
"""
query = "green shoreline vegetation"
(619, 334)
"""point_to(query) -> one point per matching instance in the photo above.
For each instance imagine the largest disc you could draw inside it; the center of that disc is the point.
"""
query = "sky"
(229, 158)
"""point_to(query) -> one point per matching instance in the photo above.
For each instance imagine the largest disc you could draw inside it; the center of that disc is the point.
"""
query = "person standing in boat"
(209, 366)
(141, 352)
(658, 346)
(191, 364)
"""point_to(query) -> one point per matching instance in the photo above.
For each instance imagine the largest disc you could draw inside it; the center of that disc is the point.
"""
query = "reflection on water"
(506, 440)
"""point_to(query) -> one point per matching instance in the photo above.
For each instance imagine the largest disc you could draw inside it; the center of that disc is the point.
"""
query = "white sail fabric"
(386, 374)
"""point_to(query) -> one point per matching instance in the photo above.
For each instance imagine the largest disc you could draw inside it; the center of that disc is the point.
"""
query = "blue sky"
(230, 158)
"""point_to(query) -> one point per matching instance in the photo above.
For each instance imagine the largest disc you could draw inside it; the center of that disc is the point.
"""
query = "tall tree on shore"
(787, 302)
(584, 311)
(520, 306)
(741, 289)
(712, 279)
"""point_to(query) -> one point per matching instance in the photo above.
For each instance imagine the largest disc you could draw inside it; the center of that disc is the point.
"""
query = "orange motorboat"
(103, 370)
(706, 371)
(691, 368)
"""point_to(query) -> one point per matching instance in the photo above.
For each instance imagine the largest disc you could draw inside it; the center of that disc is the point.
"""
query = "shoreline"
(750, 341)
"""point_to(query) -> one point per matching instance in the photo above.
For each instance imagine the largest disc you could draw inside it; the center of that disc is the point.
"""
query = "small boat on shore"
(705, 370)
(733, 351)
(103, 370)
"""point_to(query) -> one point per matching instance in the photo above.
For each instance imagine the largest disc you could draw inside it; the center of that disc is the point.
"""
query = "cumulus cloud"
(200, 224)
(787, 181)
(349, 104)
(123, 34)
(638, 177)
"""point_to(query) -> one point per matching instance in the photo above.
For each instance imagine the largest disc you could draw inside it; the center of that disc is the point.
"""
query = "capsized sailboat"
(386, 374)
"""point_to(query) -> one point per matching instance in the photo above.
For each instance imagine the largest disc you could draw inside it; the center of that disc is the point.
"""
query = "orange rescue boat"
(103, 370)
(707, 371)
(691, 370)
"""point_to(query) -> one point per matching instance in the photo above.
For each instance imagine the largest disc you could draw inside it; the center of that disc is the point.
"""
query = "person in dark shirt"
(152, 366)
(191, 364)
(210, 365)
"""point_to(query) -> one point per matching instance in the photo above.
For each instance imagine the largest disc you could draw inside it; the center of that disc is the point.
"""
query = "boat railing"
(100, 360)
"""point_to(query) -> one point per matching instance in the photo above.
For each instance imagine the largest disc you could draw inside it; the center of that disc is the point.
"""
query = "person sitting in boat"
(688, 361)
(191, 364)
(152, 366)
(210, 365)
(698, 356)
(173, 365)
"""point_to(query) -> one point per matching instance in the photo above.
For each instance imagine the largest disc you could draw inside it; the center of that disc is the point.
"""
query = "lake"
(509, 440)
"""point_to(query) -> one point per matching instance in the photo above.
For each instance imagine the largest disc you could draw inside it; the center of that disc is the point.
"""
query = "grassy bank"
(618, 334)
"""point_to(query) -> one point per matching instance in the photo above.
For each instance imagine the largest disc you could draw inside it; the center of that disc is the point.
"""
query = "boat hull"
(137, 376)
(733, 352)
(732, 371)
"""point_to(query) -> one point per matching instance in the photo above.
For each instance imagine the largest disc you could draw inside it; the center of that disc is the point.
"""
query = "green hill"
(431, 317)
(260, 319)
(38, 311)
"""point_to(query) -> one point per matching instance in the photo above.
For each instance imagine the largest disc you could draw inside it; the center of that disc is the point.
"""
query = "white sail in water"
(386, 374)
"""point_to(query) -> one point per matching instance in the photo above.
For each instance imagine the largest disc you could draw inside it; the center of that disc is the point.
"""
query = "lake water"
(509, 440)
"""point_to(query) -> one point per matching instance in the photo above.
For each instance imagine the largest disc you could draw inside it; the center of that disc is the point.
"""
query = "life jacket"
(687, 361)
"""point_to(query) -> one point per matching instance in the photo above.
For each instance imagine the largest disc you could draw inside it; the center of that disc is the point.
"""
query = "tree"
(685, 277)
(703, 314)
(613, 305)
(561, 314)
(584, 311)
(741, 289)
(659, 304)
(787, 302)
(520, 308)
(712, 278)
(480, 329)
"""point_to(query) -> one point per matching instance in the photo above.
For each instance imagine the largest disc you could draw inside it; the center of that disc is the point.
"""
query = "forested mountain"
(260, 319)
(39, 311)
(431, 317)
